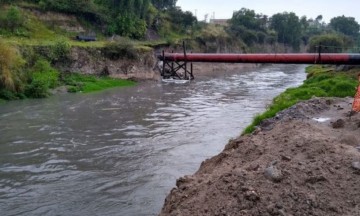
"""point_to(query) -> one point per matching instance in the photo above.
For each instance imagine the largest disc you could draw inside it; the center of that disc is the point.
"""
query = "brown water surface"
(120, 151)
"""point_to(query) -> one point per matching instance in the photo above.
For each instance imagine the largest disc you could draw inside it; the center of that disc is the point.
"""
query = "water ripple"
(119, 152)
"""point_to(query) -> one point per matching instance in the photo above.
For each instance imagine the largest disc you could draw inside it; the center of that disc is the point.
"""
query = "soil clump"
(304, 161)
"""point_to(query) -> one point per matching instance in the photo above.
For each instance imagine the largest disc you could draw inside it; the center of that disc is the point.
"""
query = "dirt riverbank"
(305, 161)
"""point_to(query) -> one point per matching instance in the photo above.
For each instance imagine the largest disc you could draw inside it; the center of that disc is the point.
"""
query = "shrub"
(7, 95)
(37, 89)
(60, 51)
(12, 22)
(43, 71)
(128, 25)
(42, 78)
(14, 18)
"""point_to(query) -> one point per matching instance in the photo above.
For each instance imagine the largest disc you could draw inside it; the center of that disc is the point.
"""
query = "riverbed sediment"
(304, 161)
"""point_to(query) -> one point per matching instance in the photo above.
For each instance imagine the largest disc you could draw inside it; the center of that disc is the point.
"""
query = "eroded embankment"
(305, 161)
(96, 61)
(108, 61)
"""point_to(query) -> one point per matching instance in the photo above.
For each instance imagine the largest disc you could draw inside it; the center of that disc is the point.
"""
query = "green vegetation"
(42, 77)
(11, 64)
(321, 82)
(167, 23)
(34, 45)
(290, 30)
(120, 49)
(333, 43)
(345, 25)
(90, 83)
(35, 76)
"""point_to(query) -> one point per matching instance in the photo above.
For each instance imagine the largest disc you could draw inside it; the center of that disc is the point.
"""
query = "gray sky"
(311, 8)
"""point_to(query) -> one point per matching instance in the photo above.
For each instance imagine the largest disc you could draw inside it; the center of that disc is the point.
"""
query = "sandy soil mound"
(305, 161)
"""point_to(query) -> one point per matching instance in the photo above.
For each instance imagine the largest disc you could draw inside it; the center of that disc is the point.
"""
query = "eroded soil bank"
(305, 161)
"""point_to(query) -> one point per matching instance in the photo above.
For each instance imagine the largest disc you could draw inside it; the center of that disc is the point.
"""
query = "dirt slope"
(303, 162)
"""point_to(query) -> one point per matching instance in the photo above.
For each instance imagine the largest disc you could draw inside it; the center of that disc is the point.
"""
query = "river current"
(120, 151)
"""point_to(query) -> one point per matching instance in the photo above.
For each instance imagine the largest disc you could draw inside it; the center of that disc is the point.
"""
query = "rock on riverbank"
(305, 161)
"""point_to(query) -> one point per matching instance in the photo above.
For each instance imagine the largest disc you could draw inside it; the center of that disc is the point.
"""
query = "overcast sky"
(311, 8)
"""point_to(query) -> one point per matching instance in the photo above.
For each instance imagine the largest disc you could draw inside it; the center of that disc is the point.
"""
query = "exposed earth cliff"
(95, 61)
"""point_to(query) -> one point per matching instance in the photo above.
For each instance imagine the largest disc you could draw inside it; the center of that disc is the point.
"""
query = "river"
(120, 151)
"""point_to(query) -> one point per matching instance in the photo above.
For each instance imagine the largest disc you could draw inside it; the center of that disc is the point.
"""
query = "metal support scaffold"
(176, 69)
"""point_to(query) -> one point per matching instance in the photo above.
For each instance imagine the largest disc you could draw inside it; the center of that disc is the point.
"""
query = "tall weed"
(11, 62)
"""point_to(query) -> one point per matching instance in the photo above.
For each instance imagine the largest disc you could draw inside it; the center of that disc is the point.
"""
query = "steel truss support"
(176, 69)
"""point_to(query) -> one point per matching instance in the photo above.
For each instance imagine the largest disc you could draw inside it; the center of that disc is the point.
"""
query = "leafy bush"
(12, 22)
(60, 51)
(7, 95)
(37, 89)
(43, 71)
(42, 78)
(128, 25)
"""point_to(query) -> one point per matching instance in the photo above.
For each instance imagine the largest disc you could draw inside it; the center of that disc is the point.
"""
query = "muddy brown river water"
(120, 151)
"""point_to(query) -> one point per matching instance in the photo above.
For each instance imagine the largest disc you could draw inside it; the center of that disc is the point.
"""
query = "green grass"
(90, 83)
(323, 82)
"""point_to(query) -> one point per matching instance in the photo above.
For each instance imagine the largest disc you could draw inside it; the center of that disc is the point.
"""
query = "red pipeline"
(283, 58)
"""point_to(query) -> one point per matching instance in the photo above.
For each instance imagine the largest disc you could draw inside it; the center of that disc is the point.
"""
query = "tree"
(346, 25)
(249, 26)
(288, 27)
(182, 19)
(128, 25)
(319, 18)
(332, 43)
(164, 4)
(247, 18)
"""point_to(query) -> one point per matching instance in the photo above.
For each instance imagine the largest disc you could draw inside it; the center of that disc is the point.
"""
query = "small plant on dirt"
(60, 51)
(122, 48)
(90, 83)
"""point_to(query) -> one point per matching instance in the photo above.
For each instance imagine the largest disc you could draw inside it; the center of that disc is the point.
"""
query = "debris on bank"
(304, 161)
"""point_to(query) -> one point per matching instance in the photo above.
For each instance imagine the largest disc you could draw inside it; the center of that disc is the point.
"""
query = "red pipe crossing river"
(280, 58)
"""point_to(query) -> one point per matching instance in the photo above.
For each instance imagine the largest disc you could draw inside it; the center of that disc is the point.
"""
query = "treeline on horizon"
(341, 34)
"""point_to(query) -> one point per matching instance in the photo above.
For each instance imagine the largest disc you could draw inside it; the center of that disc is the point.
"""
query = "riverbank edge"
(321, 81)
(183, 199)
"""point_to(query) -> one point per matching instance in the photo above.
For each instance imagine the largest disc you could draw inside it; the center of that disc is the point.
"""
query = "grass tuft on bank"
(91, 83)
(321, 82)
